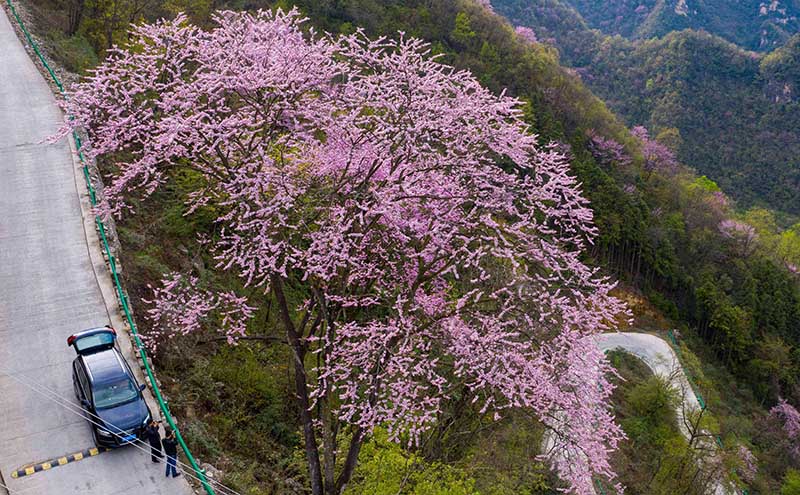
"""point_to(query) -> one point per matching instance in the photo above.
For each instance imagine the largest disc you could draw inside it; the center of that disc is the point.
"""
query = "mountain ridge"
(735, 110)
(752, 24)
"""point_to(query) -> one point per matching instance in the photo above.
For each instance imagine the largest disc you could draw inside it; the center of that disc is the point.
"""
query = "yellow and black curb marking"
(58, 461)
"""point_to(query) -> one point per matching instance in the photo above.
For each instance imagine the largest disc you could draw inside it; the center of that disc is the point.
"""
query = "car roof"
(104, 366)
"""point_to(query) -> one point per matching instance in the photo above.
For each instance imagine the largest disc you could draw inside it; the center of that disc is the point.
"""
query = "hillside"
(781, 72)
(667, 234)
(751, 24)
(737, 119)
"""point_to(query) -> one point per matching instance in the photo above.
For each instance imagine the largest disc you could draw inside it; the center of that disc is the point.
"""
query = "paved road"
(52, 283)
(659, 356)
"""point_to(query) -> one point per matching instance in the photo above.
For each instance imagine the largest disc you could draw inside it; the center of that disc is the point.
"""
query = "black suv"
(107, 389)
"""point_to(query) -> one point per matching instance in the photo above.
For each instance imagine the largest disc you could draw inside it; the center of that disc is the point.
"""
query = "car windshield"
(114, 393)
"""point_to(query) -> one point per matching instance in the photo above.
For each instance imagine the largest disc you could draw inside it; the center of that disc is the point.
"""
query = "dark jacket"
(152, 435)
(170, 446)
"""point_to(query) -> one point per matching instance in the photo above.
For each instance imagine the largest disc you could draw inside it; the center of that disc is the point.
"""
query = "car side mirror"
(142, 386)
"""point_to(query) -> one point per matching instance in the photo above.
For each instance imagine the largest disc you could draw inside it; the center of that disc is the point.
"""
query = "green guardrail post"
(600, 487)
(123, 299)
(701, 401)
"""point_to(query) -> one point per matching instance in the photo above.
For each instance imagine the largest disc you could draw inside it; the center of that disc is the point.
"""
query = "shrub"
(385, 468)
(791, 483)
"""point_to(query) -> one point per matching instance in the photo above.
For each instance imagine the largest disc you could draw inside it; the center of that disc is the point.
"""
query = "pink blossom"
(720, 200)
(526, 34)
(789, 418)
(607, 152)
(657, 157)
(743, 234)
(180, 307)
(487, 4)
(749, 464)
(363, 173)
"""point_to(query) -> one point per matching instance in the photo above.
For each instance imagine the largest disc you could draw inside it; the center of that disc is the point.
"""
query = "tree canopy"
(363, 175)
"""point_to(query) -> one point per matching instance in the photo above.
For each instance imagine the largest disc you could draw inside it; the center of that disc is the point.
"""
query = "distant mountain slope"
(738, 118)
(781, 72)
(751, 24)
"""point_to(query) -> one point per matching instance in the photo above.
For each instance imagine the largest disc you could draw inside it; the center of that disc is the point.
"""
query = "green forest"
(716, 259)
(734, 110)
(751, 24)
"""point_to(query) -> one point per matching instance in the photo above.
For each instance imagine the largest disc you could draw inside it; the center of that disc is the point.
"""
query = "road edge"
(102, 273)
(101, 265)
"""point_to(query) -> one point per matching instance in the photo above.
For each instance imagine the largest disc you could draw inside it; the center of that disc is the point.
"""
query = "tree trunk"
(350, 462)
(329, 449)
(301, 388)
(329, 426)
(75, 16)
(639, 263)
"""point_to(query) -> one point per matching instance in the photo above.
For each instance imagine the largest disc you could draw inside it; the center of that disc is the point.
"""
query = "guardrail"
(123, 298)
(689, 377)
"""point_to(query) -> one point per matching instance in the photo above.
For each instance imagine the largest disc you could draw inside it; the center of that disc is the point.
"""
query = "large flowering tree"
(788, 417)
(433, 243)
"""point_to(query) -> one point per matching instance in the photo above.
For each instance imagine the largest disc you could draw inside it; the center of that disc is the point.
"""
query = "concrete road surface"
(658, 355)
(52, 283)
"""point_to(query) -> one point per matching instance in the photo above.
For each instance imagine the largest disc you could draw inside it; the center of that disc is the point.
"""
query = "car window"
(114, 393)
(100, 340)
(81, 379)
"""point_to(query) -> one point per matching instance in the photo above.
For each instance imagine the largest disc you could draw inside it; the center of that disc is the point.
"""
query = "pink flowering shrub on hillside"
(487, 4)
(789, 418)
(657, 157)
(526, 34)
(362, 173)
(749, 464)
(607, 152)
(742, 234)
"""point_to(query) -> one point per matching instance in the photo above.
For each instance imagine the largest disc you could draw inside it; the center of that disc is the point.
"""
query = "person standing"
(171, 449)
(153, 436)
